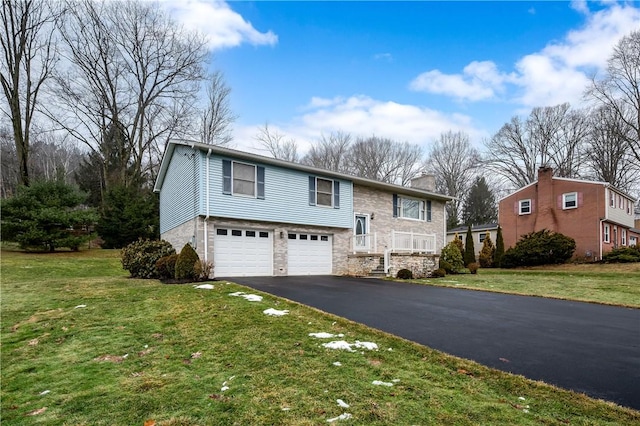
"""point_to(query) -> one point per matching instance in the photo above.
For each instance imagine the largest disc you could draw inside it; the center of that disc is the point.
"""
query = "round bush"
(445, 266)
(452, 255)
(140, 257)
(404, 274)
(185, 264)
(438, 273)
(539, 248)
(166, 266)
(473, 267)
(623, 255)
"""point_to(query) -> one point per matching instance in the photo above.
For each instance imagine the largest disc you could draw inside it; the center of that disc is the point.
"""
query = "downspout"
(206, 218)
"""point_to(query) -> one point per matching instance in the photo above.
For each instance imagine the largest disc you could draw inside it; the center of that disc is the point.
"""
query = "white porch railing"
(412, 242)
(364, 243)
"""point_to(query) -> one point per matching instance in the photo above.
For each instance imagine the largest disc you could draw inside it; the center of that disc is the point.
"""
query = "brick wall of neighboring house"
(581, 223)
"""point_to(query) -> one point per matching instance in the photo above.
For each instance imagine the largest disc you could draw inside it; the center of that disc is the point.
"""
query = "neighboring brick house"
(478, 232)
(596, 215)
(253, 215)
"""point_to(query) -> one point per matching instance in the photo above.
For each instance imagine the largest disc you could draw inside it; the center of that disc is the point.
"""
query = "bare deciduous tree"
(384, 159)
(330, 152)
(28, 53)
(454, 163)
(277, 144)
(133, 69)
(619, 89)
(607, 155)
(550, 136)
(217, 117)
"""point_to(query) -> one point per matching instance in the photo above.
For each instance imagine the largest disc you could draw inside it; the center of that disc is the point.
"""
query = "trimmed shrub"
(539, 248)
(185, 264)
(140, 257)
(623, 255)
(452, 255)
(458, 242)
(486, 253)
(469, 255)
(473, 267)
(445, 266)
(166, 266)
(499, 252)
(438, 273)
(404, 274)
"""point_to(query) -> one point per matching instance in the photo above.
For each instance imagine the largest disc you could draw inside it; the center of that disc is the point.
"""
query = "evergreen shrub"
(185, 264)
(539, 248)
(141, 256)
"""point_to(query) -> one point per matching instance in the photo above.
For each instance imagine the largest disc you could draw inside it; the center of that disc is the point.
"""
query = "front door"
(361, 231)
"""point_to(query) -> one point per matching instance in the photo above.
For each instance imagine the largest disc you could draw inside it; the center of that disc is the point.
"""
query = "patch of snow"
(521, 398)
(224, 388)
(343, 416)
(395, 380)
(44, 392)
(237, 293)
(275, 312)
(390, 349)
(337, 364)
(125, 355)
(366, 345)
(286, 408)
(381, 383)
(525, 411)
(80, 306)
(253, 297)
(338, 344)
(342, 403)
(204, 286)
(322, 335)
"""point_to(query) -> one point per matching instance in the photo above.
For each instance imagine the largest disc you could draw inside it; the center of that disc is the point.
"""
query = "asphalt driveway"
(584, 347)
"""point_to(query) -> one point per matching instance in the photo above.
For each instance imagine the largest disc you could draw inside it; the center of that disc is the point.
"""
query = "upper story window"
(612, 199)
(324, 192)
(570, 200)
(242, 179)
(629, 203)
(524, 206)
(411, 208)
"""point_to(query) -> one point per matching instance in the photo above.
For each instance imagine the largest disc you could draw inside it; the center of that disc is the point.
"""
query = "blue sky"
(404, 70)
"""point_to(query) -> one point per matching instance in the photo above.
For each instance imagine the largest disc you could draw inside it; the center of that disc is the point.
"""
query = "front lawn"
(82, 344)
(612, 284)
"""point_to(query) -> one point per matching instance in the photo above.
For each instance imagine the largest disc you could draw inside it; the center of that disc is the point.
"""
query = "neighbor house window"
(629, 207)
(242, 179)
(324, 192)
(482, 236)
(411, 208)
(524, 207)
(612, 199)
(570, 200)
(633, 241)
(606, 237)
(623, 237)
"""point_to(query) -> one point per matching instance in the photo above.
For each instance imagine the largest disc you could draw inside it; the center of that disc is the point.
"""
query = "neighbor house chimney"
(425, 181)
(543, 206)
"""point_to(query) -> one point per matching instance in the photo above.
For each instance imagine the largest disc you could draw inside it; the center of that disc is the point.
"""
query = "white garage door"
(309, 254)
(242, 252)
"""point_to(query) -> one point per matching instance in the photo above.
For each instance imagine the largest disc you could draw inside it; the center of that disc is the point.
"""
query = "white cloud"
(222, 27)
(383, 57)
(478, 81)
(558, 73)
(362, 116)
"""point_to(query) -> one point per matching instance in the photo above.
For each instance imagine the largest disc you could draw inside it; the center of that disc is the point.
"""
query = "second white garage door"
(309, 254)
(242, 252)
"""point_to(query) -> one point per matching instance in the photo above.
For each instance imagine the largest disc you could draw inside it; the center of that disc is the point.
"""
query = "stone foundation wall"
(421, 265)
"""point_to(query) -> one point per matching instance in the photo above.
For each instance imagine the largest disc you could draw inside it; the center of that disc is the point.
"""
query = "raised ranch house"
(598, 216)
(253, 215)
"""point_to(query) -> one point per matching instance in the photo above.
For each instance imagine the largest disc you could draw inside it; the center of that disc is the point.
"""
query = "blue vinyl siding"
(180, 188)
(286, 199)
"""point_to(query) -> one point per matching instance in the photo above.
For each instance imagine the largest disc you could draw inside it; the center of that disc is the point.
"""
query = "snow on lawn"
(381, 383)
(342, 403)
(325, 335)
(346, 346)
(204, 286)
(275, 312)
(249, 297)
(344, 416)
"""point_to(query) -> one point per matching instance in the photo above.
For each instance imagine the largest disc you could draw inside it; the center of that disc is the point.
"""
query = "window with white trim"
(606, 235)
(623, 237)
(612, 199)
(482, 236)
(633, 241)
(411, 208)
(569, 200)
(524, 207)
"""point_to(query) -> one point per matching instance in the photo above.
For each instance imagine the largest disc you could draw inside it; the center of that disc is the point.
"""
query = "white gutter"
(206, 218)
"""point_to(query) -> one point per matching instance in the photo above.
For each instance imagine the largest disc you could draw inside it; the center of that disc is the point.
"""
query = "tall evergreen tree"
(480, 204)
(499, 253)
(469, 249)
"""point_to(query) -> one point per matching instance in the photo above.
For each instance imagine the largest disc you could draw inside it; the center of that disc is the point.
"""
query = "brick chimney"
(544, 205)
(425, 182)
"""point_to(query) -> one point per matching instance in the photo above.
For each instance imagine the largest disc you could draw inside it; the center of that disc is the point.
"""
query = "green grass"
(612, 284)
(183, 344)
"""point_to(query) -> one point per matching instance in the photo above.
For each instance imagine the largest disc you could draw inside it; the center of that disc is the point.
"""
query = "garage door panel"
(309, 254)
(240, 252)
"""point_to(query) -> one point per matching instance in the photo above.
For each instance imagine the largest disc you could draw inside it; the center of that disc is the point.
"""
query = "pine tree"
(458, 242)
(480, 204)
(499, 253)
(469, 250)
(486, 254)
